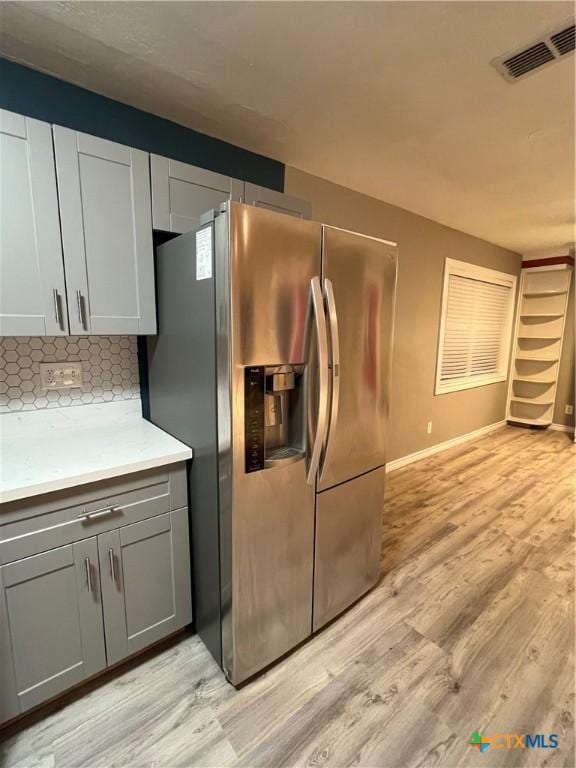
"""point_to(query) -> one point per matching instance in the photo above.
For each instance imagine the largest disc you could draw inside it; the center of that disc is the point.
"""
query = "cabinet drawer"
(31, 528)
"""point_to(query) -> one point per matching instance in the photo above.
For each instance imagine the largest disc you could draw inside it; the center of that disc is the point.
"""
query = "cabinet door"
(32, 289)
(51, 625)
(181, 193)
(104, 191)
(277, 201)
(145, 572)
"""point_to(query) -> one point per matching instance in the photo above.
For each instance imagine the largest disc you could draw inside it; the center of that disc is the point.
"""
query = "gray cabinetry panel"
(277, 201)
(104, 191)
(67, 612)
(145, 582)
(35, 525)
(32, 289)
(112, 594)
(181, 193)
(53, 618)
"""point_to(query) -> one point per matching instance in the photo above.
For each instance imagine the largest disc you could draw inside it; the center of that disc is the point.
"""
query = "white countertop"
(43, 451)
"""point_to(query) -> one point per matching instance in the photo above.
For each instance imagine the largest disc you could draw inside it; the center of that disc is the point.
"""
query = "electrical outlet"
(429, 428)
(61, 375)
(569, 410)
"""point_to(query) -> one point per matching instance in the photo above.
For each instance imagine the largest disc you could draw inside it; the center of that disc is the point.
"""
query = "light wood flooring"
(470, 629)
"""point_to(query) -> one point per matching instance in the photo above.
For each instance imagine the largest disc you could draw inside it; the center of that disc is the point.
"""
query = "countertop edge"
(83, 478)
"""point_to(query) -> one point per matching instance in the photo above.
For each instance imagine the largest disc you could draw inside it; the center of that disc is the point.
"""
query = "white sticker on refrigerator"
(204, 254)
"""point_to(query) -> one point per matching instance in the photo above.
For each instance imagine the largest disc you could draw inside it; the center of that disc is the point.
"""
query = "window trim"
(485, 274)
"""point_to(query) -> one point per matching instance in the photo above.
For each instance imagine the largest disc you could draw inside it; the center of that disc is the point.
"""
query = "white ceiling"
(395, 99)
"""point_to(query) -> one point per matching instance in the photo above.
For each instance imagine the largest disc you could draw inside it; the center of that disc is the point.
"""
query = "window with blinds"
(475, 326)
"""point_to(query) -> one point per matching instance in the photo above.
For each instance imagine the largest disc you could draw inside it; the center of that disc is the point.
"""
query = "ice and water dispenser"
(274, 415)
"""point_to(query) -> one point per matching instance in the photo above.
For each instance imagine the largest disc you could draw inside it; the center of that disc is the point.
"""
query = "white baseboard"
(425, 452)
(561, 428)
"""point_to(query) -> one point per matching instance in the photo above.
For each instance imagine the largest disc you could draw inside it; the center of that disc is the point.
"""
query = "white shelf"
(539, 359)
(540, 338)
(544, 293)
(534, 422)
(548, 382)
(531, 400)
(543, 315)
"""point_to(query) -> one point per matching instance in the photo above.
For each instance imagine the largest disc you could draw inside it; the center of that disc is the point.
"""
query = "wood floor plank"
(471, 627)
(177, 732)
(497, 659)
(359, 704)
(273, 698)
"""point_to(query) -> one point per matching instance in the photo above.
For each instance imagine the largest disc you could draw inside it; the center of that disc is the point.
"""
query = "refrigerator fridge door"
(359, 278)
(267, 521)
(348, 541)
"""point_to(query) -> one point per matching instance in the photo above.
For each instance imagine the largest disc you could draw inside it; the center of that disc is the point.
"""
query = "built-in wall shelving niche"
(537, 347)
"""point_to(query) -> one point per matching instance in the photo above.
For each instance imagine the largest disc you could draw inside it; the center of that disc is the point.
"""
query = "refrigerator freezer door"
(273, 258)
(348, 540)
(268, 526)
(362, 271)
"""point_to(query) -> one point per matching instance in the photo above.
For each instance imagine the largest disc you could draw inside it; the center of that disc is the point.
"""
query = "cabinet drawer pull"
(57, 309)
(97, 513)
(112, 566)
(88, 574)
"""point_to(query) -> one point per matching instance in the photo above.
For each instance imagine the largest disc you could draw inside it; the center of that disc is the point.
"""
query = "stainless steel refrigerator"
(272, 360)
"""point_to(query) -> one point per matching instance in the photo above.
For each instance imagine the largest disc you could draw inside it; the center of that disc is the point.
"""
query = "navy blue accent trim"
(46, 98)
(143, 373)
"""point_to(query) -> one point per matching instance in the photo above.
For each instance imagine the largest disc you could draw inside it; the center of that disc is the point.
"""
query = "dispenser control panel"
(254, 378)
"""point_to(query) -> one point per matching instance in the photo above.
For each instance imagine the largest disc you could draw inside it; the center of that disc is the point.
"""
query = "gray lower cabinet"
(67, 612)
(145, 582)
(51, 618)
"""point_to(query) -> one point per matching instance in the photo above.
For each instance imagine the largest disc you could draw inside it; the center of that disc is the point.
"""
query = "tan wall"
(423, 245)
(566, 384)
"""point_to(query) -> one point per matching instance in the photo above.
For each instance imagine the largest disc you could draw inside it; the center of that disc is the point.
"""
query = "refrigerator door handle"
(322, 340)
(334, 368)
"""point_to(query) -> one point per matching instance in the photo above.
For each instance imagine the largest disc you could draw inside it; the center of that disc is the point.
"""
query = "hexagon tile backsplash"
(109, 370)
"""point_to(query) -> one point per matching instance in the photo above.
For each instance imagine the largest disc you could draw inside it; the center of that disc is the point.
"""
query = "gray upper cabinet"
(277, 201)
(181, 193)
(32, 288)
(105, 209)
(51, 629)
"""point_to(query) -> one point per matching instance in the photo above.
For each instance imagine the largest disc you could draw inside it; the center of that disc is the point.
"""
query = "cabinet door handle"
(88, 574)
(57, 308)
(112, 566)
(97, 513)
(80, 306)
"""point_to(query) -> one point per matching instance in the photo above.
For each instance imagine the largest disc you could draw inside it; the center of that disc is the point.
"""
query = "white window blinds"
(475, 328)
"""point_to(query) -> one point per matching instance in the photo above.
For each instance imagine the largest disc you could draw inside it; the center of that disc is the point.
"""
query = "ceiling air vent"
(564, 41)
(530, 59)
(538, 54)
